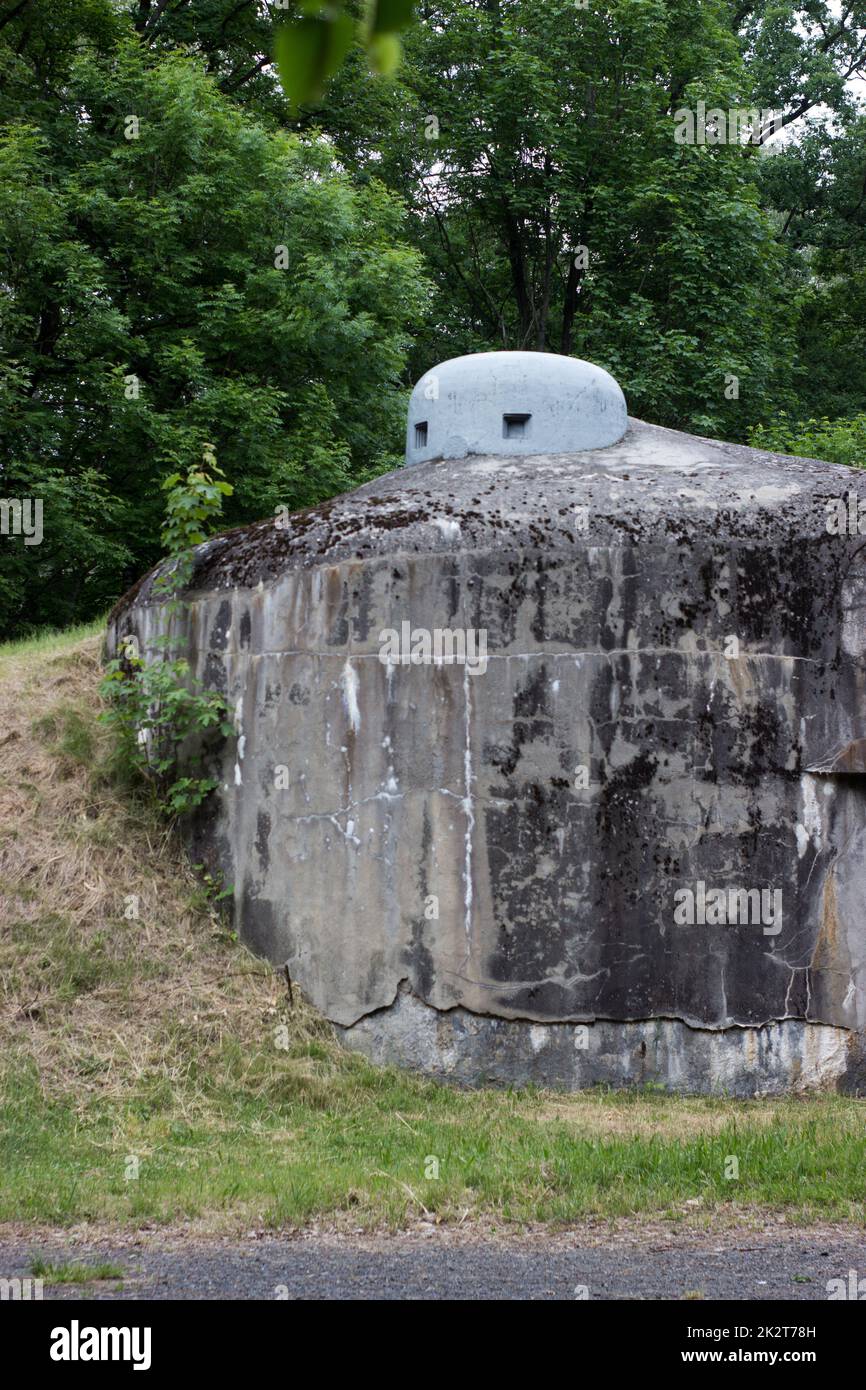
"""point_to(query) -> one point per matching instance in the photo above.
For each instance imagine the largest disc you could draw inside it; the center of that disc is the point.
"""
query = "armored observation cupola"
(511, 403)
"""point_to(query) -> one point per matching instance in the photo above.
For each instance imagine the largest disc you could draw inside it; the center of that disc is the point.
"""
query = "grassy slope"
(153, 1042)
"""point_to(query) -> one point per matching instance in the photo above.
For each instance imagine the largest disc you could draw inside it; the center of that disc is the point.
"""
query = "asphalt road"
(797, 1266)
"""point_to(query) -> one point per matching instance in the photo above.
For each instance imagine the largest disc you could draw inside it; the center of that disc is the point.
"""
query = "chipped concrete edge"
(790, 1055)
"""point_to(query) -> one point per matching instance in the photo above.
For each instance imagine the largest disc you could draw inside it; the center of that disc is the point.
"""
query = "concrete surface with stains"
(418, 843)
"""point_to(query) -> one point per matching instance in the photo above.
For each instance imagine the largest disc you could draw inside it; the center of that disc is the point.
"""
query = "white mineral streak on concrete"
(241, 741)
(350, 695)
(467, 806)
(811, 824)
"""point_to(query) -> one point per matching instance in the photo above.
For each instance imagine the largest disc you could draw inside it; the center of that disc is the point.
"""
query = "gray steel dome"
(513, 403)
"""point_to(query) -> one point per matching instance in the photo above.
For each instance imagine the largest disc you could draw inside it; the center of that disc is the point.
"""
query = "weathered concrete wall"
(609, 584)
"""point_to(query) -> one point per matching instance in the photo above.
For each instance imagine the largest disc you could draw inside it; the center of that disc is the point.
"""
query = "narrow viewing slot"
(514, 426)
(421, 434)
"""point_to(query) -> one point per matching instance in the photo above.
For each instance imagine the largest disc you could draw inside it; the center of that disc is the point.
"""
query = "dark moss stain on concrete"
(418, 958)
(361, 597)
(531, 720)
(219, 633)
(215, 674)
(263, 832)
(619, 803)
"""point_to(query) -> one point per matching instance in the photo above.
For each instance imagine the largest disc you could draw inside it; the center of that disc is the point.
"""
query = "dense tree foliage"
(231, 271)
(208, 281)
(558, 213)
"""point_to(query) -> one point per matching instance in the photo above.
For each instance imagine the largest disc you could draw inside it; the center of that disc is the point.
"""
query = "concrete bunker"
(549, 758)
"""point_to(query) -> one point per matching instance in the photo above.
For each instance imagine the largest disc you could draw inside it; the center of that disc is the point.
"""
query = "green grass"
(49, 641)
(68, 964)
(279, 1144)
(71, 735)
(74, 1273)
